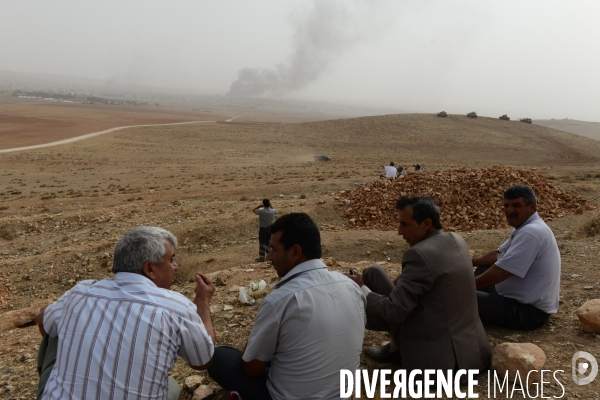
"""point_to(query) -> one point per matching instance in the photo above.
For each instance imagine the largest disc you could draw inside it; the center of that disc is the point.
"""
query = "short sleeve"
(53, 313)
(262, 342)
(519, 255)
(197, 347)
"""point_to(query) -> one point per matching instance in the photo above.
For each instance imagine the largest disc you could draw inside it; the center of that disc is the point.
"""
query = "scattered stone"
(513, 357)
(220, 281)
(8, 388)
(589, 316)
(191, 383)
(330, 262)
(203, 391)
(25, 357)
(227, 307)
(16, 318)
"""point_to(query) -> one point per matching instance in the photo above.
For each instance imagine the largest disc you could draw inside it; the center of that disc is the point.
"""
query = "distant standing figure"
(401, 173)
(266, 217)
(417, 168)
(390, 171)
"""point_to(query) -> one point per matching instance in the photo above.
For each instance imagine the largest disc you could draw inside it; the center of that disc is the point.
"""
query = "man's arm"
(253, 368)
(486, 259)
(492, 276)
(256, 208)
(39, 319)
(204, 291)
(416, 280)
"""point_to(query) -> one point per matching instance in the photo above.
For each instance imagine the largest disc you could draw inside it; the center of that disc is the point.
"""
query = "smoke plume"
(323, 32)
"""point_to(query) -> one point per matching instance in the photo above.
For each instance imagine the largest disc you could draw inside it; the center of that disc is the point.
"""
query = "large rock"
(589, 316)
(522, 357)
(16, 318)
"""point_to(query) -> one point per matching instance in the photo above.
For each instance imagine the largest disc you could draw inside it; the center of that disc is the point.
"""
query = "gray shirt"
(312, 325)
(532, 256)
(266, 216)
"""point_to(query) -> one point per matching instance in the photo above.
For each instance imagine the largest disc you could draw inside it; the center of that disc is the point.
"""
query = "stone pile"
(468, 199)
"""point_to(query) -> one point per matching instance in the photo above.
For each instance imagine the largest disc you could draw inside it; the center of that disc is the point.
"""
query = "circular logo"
(583, 363)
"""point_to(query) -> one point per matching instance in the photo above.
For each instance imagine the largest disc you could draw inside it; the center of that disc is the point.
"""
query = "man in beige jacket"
(430, 310)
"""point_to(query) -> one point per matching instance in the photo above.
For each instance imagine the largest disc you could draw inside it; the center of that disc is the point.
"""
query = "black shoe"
(259, 259)
(382, 354)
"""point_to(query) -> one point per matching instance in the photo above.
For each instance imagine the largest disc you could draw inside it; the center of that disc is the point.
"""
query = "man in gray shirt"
(266, 217)
(308, 329)
(518, 284)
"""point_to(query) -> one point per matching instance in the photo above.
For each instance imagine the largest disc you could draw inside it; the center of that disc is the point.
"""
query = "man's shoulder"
(536, 229)
(310, 281)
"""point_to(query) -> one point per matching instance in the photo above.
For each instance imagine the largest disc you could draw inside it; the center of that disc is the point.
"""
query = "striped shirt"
(119, 338)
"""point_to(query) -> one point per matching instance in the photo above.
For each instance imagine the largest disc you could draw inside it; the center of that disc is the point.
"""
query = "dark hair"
(422, 208)
(266, 203)
(298, 228)
(391, 163)
(524, 191)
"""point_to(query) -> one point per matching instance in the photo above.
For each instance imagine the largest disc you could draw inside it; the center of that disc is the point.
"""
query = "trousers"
(226, 370)
(498, 310)
(264, 242)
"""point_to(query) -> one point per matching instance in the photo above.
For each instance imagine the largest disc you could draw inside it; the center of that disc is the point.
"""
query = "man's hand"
(204, 289)
(356, 277)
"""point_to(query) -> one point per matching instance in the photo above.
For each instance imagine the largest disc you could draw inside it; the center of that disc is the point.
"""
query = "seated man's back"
(313, 326)
(119, 326)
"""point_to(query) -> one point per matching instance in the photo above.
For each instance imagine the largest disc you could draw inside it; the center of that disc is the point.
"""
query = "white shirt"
(266, 216)
(390, 171)
(119, 338)
(532, 256)
(311, 326)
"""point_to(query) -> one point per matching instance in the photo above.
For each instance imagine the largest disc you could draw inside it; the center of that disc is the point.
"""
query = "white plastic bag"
(247, 293)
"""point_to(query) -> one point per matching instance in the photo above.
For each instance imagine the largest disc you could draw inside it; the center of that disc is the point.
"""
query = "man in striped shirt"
(119, 338)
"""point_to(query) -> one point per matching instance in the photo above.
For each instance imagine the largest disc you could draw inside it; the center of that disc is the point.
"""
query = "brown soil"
(62, 209)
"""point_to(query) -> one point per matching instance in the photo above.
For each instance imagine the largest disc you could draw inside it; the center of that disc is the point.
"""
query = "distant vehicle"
(442, 114)
(472, 114)
(322, 158)
(526, 120)
(504, 117)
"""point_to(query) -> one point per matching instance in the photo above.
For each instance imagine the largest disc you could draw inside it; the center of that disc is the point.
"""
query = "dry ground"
(62, 209)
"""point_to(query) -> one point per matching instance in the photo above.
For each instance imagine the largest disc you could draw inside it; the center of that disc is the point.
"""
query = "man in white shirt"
(390, 171)
(308, 329)
(119, 338)
(266, 217)
(519, 283)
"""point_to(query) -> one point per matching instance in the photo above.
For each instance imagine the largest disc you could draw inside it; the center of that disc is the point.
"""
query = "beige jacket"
(433, 308)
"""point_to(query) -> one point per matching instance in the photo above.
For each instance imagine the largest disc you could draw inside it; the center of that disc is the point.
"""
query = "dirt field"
(62, 209)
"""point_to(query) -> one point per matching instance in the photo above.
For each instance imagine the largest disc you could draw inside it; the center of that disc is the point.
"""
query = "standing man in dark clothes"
(266, 217)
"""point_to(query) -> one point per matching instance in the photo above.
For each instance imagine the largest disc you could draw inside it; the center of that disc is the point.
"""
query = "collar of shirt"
(534, 217)
(132, 277)
(300, 268)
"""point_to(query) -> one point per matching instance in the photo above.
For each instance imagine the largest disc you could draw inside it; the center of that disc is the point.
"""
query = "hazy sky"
(535, 59)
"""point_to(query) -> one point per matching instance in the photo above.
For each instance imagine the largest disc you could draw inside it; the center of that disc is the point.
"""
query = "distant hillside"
(583, 128)
(456, 139)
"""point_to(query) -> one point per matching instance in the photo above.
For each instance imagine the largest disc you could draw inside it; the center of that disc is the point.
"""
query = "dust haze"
(524, 59)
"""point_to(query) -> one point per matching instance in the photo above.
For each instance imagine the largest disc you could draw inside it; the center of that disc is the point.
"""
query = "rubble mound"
(468, 199)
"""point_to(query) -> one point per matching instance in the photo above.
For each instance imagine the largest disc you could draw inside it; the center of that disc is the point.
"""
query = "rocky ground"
(63, 209)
